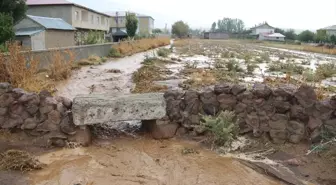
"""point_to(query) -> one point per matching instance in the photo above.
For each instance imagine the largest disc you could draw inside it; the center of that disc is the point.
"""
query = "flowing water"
(143, 161)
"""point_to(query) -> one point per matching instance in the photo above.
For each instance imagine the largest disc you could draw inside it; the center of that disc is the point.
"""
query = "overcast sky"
(297, 14)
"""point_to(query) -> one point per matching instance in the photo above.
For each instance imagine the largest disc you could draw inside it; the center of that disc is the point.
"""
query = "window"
(76, 16)
(103, 20)
(85, 15)
(97, 20)
(92, 19)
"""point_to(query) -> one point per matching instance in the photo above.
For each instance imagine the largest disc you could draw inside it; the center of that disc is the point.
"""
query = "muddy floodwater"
(143, 161)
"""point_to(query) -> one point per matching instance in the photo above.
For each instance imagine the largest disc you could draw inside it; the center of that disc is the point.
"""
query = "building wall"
(85, 19)
(59, 38)
(262, 37)
(121, 22)
(27, 23)
(25, 40)
(146, 25)
(331, 32)
(59, 11)
(38, 41)
(218, 36)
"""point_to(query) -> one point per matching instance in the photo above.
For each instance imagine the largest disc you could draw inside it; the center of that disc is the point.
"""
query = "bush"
(223, 127)
(61, 65)
(288, 67)
(233, 65)
(163, 52)
(19, 160)
(114, 53)
(310, 76)
(265, 57)
(251, 68)
(326, 70)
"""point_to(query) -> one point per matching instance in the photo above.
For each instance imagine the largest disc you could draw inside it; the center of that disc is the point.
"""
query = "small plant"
(163, 52)
(233, 65)
(61, 65)
(19, 160)
(247, 57)
(149, 60)
(251, 68)
(219, 64)
(225, 54)
(114, 53)
(191, 65)
(223, 127)
(265, 57)
(259, 60)
(326, 70)
(310, 76)
(186, 151)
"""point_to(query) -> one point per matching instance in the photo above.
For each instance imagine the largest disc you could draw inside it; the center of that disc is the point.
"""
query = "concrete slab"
(97, 109)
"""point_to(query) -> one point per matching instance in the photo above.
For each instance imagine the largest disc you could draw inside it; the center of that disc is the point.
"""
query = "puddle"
(143, 161)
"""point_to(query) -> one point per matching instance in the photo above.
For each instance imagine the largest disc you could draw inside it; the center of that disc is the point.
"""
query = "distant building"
(118, 22)
(330, 30)
(82, 18)
(216, 35)
(266, 32)
(38, 33)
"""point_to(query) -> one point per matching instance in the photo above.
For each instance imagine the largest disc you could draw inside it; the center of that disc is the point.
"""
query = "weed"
(326, 70)
(163, 52)
(149, 60)
(265, 57)
(200, 78)
(287, 67)
(191, 65)
(223, 127)
(114, 53)
(310, 76)
(18, 160)
(219, 64)
(247, 57)
(61, 65)
(147, 87)
(259, 60)
(305, 62)
(251, 68)
(233, 65)
(225, 54)
(186, 151)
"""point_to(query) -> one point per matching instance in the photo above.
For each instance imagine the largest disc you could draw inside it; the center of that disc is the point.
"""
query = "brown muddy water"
(143, 161)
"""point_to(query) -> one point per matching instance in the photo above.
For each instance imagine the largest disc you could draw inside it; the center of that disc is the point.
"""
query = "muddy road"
(143, 161)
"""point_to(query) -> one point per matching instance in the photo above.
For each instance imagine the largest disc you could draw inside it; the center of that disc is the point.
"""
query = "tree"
(321, 36)
(306, 36)
(290, 34)
(213, 27)
(332, 39)
(6, 28)
(157, 30)
(230, 25)
(14, 8)
(131, 24)
(279, 30)
(180, 29)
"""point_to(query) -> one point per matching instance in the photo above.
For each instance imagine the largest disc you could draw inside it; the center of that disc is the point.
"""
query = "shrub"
(326, 70)
(310, 76)
(114, 53)
(223, 127)
(265, 57)
(191, 65)
(288, 67)
(251, 68)
(149, 60)
(18, 160)
(163, 52)
(219, 64)
(233, 65)
(61, 65)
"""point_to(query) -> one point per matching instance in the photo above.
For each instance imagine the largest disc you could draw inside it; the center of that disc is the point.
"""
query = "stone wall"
(286, 113)
(41, 116)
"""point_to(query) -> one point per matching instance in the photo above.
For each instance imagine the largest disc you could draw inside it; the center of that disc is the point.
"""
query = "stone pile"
(286, 113)
(40, 116)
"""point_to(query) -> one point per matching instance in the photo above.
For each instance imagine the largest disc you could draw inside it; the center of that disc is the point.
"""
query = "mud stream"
(143, 161)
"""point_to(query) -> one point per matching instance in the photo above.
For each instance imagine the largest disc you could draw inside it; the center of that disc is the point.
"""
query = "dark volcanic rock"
(261, 91)
(223, 88)
(237, 89)
(306, 96)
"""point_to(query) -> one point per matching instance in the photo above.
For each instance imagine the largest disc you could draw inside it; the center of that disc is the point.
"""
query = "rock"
(46, 109)
(101, 109)
(306, 96)
(44, 94)
(245, 97)
(237, 89)
(190, 95)
(210, 104)
(29, 124)
(199, 130)
(65, 101)
(16, 108)
(6, 99)
(31, 98)
(164, 131)
(31, 108)
(286, 91)
(264, 123)
(332, 102)
(330, 126)
(191, 102)
(55, 117)
(12, 121)
(4, 88)
(25, 115)
(278, 136)
(3, 121)
(294, 162)
(17, 93)
(57, 139)
(83, 136)
(315, 136)
(282, 106)
(294, 138)
(226, 101)
(67, 126)
(49, 126)
(181, 131)
(296, 127)
(172, 94)
(252, 119)
(323, 110)
(240, 107)
(61, 109)
(261, 91)
(49, 101)
(173, 110)
(314, 123)
(278, 122)
(223, 88)
(299, 113)
(3, 111)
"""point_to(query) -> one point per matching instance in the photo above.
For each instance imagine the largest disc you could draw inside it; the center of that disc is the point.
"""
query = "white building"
(266, 32)
(330, 30)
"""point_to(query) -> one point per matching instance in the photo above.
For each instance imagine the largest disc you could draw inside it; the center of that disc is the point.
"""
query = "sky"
(296, 14)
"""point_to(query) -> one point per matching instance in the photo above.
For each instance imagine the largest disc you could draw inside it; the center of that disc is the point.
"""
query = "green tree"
(180, 29)
(279, 30)
(306, 36)
(131, 24)
(213, 27)
(321, 36)
(6, 28)
(230, 25)
(332, 39)
(157, 30)
(14, 8)
(290, 34)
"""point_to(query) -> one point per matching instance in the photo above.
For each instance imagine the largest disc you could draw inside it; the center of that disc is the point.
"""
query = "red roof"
(47, 2)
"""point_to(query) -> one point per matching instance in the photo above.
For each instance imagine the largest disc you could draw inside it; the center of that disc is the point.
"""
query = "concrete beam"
(96, 109)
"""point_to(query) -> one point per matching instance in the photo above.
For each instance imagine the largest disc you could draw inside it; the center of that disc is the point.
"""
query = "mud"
(143, 161)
